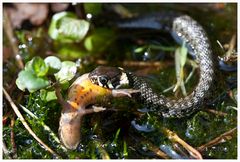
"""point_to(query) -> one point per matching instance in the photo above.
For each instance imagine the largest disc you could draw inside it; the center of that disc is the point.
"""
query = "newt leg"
(123, 92)
(93, 109)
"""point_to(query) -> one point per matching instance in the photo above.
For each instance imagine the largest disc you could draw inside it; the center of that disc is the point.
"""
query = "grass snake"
(183, 29)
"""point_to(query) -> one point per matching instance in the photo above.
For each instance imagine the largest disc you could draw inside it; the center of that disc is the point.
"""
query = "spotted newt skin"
(81, 94)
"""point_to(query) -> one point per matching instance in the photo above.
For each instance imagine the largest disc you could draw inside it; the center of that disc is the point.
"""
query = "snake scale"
(183, 29)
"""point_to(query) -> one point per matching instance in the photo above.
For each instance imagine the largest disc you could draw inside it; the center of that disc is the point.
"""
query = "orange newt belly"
(83, 93)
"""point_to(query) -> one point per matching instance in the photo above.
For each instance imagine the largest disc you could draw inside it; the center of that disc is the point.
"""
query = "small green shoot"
(180, 60)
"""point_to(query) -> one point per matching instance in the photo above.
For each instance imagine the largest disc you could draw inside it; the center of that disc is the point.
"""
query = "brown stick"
(220, 139)
(140, 63)
(157, 151)
(220, 113)
(14, 147)
(174, 138)
(232, 45)
(19, 115)
(9, 32)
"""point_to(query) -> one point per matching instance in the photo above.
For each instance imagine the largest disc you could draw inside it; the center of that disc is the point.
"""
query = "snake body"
(184, 29)
(103, 82)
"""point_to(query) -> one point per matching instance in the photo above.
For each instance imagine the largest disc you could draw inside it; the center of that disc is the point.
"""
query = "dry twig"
(220, 113)
(174, 138)
(232, 45)
(14, 147)
(19, 115)
(220, 139)
(157, 151)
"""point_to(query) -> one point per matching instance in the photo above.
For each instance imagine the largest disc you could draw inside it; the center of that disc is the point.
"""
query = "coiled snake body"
(103, 82)
(182, 28)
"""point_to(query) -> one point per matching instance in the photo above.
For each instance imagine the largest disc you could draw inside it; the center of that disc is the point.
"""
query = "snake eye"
(103, 80)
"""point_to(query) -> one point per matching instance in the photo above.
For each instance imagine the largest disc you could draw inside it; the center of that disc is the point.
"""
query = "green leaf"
(116, 136)
(183, 54)
(39, 66)
(184, 51)
(180, 57)
(53, 29)
(47, 95)
(67, 71)
(20, 84)
(28, 80)
(28, 66)
(65, 27)
(53, 63)
(125, 149)
(72, 29)
(180, 60)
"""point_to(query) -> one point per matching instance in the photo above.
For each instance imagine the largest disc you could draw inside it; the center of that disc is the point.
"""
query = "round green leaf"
(65, 27)
(27, 79)
(67, 71)
(72, 30)
(53, 63)
(20, 84)
(53, 29)
(39, 66)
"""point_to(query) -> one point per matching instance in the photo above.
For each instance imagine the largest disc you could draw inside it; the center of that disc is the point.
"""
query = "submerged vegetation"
(73, 39)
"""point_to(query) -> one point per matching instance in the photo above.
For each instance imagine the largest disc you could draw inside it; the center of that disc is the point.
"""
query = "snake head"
(109, 77)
